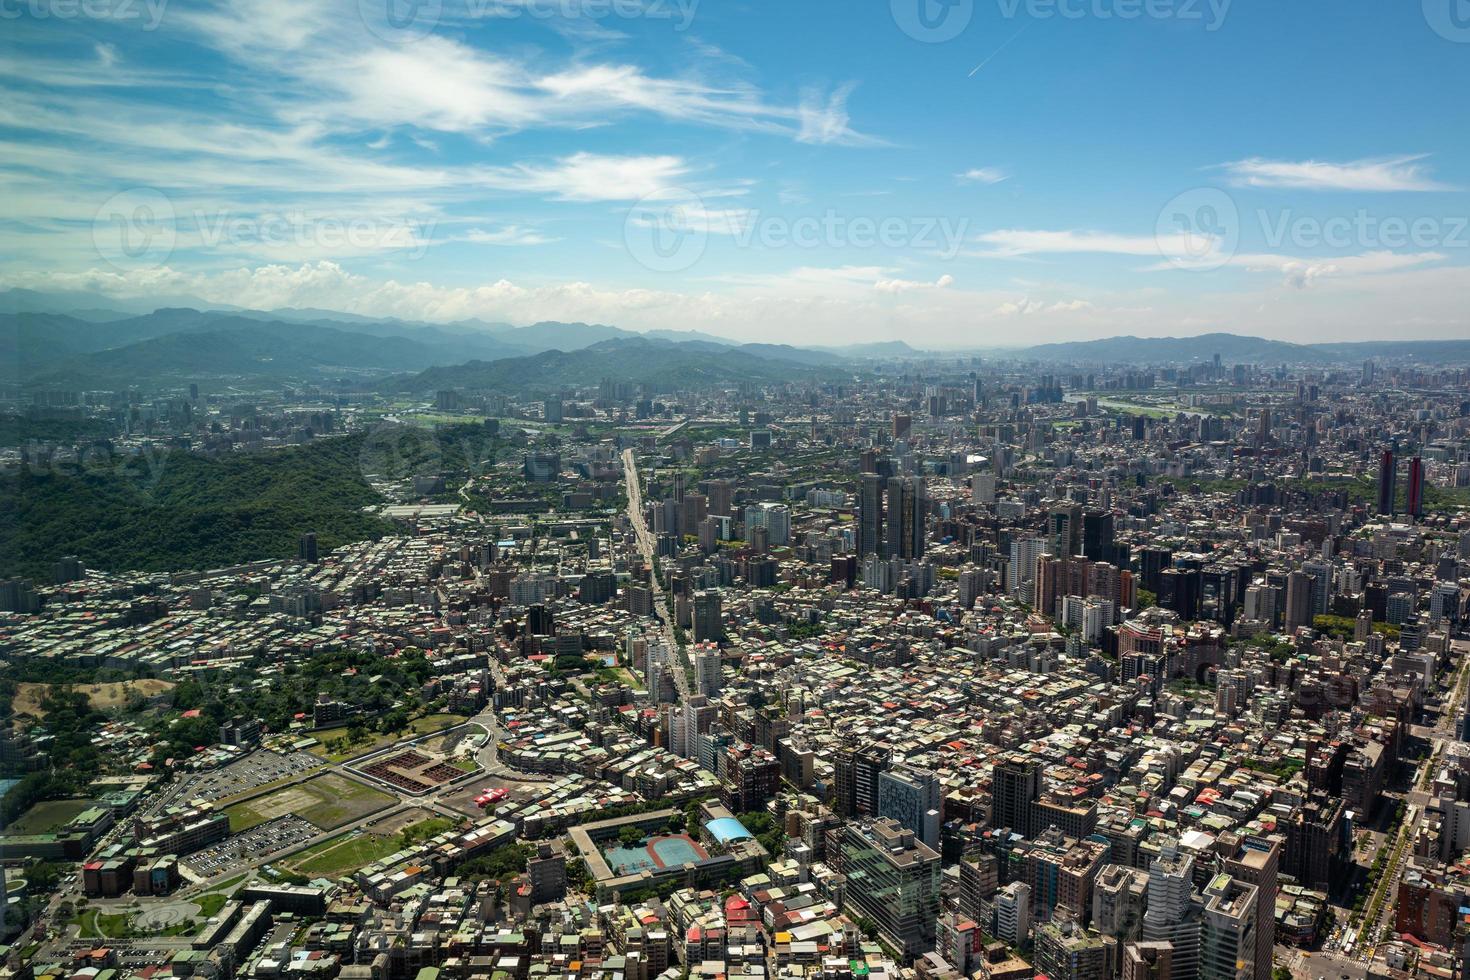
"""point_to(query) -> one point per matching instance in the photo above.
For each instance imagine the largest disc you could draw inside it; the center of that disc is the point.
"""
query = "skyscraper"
(1228, 939)
(1388, 478)
(1298, 600)
(1416, 488)
(893, 879)
(870, 514)
(907, 507)
(1173, 915)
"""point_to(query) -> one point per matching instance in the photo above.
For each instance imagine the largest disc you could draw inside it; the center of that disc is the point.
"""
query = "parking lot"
(267, 838)
(256, 769)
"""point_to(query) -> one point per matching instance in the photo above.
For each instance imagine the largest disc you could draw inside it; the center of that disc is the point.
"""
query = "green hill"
(183, 511)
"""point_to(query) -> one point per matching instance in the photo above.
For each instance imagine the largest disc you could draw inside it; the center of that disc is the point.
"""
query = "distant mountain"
(637, 359)
(237, 348)
(1173, 350)
(76, 303)
(1237, 349)
(881, 349)
(1427, 351)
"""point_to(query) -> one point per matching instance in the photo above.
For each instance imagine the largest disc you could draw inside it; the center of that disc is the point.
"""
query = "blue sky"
(947, 172)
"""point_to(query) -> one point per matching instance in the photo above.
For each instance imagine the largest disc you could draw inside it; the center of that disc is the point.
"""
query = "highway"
(646, 546)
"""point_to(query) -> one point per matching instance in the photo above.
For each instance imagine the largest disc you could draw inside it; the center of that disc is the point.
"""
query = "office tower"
(708, 678)
(907, 508)
(982, 488)
(1097, 535)
(1173, 915)
(706, 617)
(1230, 931)
(552, 410)
(1416, 488)
(856, 768)
(306, 549)
(901, 426)
(1013, 913)
(912, 796)
(1298, 601)
(1255, 863)
(870, 514)
(893, 879)
(1388, 476)
(1015, 786)
(1064, 524)
(721, 498)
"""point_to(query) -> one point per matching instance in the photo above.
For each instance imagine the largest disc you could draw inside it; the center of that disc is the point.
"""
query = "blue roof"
(726, 829)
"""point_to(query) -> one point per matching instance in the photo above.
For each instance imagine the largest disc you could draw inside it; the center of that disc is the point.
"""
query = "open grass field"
(328, 801)
(343, 855)
(103, 697)
(47, 817)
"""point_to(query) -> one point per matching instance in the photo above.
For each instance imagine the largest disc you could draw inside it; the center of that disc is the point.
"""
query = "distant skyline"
(949, 173)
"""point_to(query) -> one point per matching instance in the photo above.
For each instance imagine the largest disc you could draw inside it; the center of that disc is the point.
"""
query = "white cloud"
(983, 175)
(506, 235)
(1402, 173)
(909, 285)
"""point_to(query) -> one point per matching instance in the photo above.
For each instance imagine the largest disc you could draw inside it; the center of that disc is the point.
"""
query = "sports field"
(328, 801)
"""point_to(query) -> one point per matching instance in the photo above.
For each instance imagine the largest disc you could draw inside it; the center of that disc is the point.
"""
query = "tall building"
(1228, 938)
(1416, 488)
(1298, 601)
(306, 549)
(1173, 914)
(1388, 478)
(1013, 913)
(870, 514)
(706, 617)
(907, 508)
(1015, 786)
(721, 498)
(912, 796)
(892, 879)
(1255, 862)
(708, 678)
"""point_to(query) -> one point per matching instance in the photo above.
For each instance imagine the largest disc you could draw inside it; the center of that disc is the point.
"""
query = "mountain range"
(67, 339)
